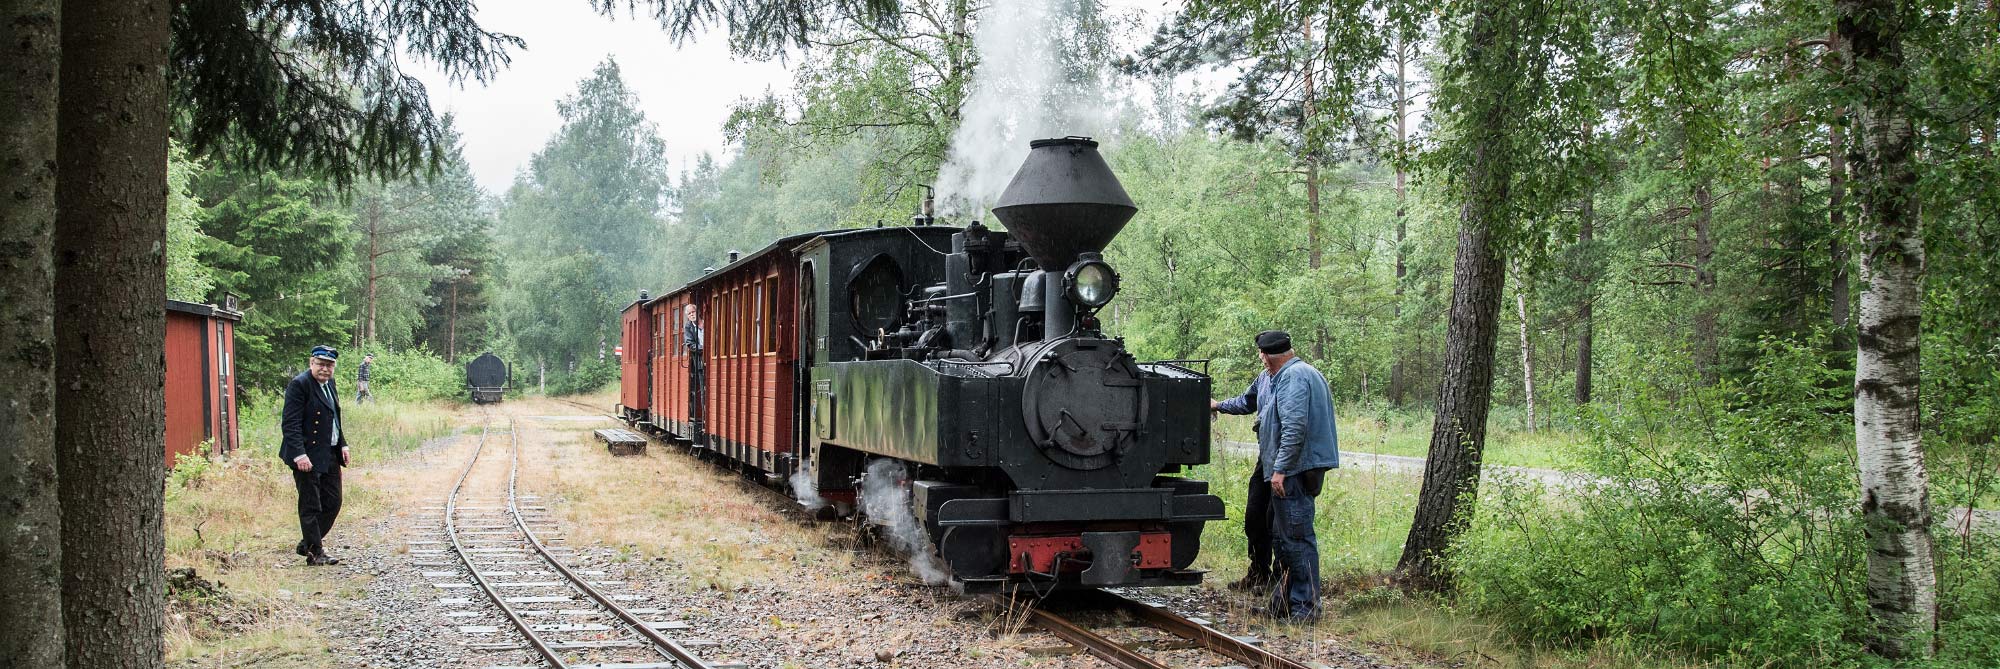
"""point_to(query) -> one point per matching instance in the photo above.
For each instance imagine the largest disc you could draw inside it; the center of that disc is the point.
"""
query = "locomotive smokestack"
(1064, 202)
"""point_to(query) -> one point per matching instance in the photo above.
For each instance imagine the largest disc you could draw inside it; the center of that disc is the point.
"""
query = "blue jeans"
(1295, 591)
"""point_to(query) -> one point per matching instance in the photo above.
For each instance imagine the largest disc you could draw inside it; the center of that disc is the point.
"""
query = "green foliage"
(1723, 523)
(580, 226)
(317, 87)
(413, 375)
(588, 377)
(413, 238)
(188, 279)
(281, 244)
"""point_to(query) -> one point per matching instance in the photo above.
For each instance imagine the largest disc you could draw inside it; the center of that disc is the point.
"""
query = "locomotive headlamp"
(1090, 282)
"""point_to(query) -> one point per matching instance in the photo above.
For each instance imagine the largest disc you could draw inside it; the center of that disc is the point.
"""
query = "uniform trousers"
(1257, 525)
(319, 504)
(1295, 593)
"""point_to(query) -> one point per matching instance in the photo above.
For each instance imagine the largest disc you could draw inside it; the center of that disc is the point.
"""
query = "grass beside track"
(1362, 520)
(233, 520)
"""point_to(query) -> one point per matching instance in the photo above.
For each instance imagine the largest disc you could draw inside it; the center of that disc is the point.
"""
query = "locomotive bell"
(1064, 202)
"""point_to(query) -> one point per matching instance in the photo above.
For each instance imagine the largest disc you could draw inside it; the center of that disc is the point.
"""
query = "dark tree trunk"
(1587, 327)
(451, 326)
(1465, 394)
(31, 632)
(110, 285)
(1839, 295)
(1707, 316)
(1888, 435)
(1397, 384)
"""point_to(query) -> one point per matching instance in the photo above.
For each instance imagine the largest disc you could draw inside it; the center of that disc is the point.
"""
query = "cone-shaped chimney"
(1064, 202)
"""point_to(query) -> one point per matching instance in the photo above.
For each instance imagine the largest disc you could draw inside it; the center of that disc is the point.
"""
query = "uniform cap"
(1274, 341)
(327, 352)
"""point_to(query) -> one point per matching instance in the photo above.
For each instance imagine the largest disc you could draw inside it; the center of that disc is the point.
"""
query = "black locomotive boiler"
(486, 378)
(1035, 450)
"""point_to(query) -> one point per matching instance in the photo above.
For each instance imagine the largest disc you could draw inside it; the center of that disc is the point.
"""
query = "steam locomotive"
(964, 367)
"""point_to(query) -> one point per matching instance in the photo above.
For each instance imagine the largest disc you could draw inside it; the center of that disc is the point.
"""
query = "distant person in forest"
(1296, 444)
(361, 376)
(315, 449)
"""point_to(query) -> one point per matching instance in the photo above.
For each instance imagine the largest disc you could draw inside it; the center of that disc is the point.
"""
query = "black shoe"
(302, 550)
(1250, 582)
(318, 559)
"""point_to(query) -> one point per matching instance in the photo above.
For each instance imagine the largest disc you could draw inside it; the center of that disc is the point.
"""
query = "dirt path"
(756, 585)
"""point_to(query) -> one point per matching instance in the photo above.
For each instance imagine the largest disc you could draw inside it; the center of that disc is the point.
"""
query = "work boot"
(1251, 582)
(321, 558)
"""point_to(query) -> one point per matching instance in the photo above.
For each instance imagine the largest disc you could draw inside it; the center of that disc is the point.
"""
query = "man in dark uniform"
(1257, 504)
(315, 450)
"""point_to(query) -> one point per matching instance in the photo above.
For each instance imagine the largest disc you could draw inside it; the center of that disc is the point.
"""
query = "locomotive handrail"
(1184, 364)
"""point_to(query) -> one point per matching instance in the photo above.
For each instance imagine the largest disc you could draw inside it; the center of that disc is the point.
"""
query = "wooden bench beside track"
(622, 442)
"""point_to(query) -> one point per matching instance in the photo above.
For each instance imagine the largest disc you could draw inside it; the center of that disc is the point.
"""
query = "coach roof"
(795, 242)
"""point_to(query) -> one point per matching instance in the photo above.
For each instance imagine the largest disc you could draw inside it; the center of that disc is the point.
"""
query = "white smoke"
(806, 489)
(886, 503)
(1041, 73)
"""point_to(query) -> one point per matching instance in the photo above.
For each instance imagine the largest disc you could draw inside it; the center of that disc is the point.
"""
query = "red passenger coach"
(720, 358)
(747, 308)
(201, 379)
(635, 396)
(676, 363)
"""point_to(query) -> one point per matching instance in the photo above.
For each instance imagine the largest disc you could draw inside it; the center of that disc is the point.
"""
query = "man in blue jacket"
(315, 450)
(1296, 444)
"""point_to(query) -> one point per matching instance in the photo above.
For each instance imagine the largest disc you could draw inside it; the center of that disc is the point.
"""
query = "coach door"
(694, 341)
(808, 354)
(225, 441)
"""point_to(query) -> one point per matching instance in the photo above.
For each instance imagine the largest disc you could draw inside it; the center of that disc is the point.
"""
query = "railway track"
(568, 623)
(1129, 655)
(1190, 633)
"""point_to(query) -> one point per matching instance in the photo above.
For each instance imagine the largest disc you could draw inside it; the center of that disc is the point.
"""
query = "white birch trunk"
(1527, 356)
(1895, 490)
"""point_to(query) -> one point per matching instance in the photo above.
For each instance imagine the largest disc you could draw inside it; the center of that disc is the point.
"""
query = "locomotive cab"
(1036, 451)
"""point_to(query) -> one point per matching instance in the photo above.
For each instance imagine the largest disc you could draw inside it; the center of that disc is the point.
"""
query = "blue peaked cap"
(327, 352)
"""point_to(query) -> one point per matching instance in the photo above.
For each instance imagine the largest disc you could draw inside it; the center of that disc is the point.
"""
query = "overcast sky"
(686, 91)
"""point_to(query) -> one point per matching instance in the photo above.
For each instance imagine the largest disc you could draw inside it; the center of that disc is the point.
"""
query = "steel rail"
(673, 651)
(1205, 636)
(1091, 642)
(451, 531)
(1200, 635)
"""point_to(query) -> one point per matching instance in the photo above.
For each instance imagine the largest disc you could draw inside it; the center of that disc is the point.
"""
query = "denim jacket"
(1299, 432)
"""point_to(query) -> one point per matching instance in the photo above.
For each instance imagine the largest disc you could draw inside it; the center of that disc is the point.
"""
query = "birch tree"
(1895, 489)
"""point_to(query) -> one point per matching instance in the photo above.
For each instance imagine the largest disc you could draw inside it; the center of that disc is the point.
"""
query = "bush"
(589, 377)
(1725, 526)
(413, 375)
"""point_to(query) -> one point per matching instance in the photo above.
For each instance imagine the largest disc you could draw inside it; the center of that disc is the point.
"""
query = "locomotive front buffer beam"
(1092, 538)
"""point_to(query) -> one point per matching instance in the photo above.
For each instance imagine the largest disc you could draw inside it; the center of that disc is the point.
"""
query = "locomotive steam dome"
(1064, 202)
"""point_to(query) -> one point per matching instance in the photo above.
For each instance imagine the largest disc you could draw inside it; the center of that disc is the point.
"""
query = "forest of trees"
(1745, 249)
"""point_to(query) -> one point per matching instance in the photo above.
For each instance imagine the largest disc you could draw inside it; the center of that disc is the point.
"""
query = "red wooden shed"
(201, 378)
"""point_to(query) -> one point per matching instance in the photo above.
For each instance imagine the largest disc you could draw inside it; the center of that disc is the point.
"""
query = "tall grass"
(233, 519)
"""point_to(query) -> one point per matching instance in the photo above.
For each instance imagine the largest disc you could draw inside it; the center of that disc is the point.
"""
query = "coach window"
(757, 325)
(771, 315)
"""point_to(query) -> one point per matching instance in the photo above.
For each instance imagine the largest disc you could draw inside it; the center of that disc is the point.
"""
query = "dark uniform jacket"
(309, 424)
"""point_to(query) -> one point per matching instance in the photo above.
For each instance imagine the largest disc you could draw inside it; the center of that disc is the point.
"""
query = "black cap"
(327, 352)
(1274, 341)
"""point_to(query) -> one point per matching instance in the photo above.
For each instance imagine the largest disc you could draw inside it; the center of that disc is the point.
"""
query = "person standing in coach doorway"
(315, 449)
